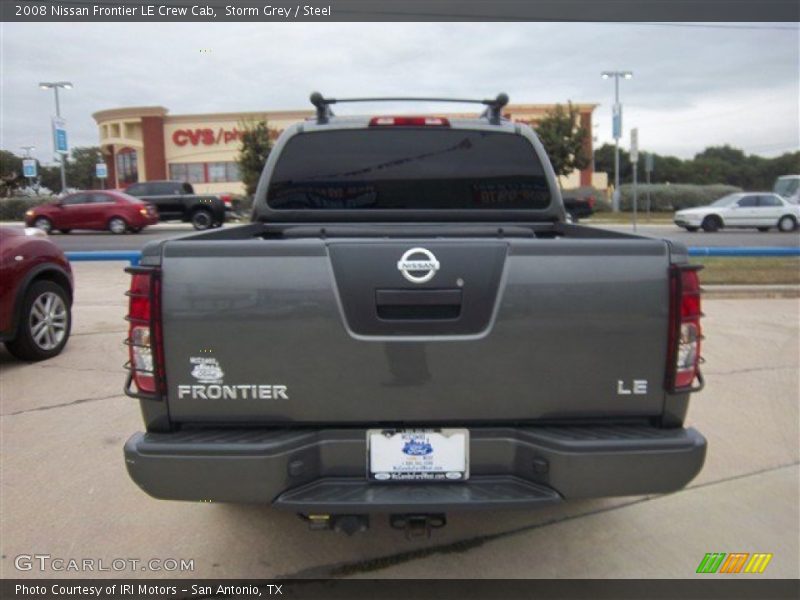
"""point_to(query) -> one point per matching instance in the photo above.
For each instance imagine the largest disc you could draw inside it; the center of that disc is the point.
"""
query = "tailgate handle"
(418, 305)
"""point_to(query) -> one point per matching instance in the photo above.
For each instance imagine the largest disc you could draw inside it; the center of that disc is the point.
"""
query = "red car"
(109, 210)
(35, 294)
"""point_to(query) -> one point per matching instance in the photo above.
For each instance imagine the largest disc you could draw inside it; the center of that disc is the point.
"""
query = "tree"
(604, 162)
(724, 153)
(50, 177)
(253, 154)
(565, 139)
(10, 172)
(716, 164)
(81, 167)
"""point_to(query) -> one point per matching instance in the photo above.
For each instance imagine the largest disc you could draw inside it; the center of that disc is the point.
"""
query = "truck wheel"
(202, 219)
(44, 224)
(45, 322)
(117, 225)
(787, 224)
(711, 224)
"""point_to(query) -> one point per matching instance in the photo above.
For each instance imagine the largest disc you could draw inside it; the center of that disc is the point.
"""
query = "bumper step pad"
(358, 495)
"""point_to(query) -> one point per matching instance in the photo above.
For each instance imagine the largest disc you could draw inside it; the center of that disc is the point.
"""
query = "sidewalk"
(751, 291)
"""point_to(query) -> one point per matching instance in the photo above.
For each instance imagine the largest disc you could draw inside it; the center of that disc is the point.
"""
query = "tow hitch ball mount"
(414, 525)
(348, 524)
(418, 526)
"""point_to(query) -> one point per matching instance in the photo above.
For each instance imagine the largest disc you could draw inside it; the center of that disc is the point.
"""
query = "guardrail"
(134, 256)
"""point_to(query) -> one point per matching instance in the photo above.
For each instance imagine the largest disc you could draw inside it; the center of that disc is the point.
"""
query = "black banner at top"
(403, 10)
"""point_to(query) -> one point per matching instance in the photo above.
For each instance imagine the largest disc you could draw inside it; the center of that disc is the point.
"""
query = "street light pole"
(617, 128)
(55, 85)
(617, 132)
(27, 150)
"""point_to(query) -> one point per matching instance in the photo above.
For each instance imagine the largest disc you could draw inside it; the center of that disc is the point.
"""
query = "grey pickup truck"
(409, 326)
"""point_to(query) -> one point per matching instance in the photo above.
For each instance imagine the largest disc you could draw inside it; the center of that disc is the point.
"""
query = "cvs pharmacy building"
(148, 144)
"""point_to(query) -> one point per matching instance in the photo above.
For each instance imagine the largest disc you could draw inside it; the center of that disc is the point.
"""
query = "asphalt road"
(101, 240)
(65, 491)
(730, 237)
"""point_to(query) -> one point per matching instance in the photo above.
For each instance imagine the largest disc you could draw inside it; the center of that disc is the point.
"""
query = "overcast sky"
(694, 85)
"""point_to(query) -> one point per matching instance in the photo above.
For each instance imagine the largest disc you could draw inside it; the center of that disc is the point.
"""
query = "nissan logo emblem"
(418, 265)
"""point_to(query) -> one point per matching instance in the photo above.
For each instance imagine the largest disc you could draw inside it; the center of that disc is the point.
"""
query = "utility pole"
(57, 141)
(617, 128)
(648, 169)
(29, 165)
(635, 165)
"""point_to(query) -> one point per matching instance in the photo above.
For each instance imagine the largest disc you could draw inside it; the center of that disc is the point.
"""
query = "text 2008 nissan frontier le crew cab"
(409, 326)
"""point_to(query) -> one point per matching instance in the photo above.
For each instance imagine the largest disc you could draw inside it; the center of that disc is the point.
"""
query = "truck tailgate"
(330, 330)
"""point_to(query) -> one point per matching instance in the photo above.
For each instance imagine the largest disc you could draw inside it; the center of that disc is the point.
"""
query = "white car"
(761, 210)
(788, 186)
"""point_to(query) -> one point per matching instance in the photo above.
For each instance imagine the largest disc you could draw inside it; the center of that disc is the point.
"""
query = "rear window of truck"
(416, 169)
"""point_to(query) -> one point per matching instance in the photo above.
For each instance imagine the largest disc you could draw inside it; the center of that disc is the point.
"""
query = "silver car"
(760, 210)
(788, 187)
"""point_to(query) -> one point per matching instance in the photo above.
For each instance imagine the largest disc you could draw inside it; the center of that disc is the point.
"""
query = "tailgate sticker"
(206, 370)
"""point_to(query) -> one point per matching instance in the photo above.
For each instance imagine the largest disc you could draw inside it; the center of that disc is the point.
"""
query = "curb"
(659, 224)
(738, 292)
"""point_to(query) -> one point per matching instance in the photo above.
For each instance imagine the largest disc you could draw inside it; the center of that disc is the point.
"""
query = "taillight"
(226, 199)
(685, 333)
(590, 201)
(409, 122)
(144, 332)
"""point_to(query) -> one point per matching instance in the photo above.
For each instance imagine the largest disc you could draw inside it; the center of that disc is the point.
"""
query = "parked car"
(447, 305)
(759, 210)
(578, 206)
(35, 294)
(176, 201)
(788, 187)
(104, 210)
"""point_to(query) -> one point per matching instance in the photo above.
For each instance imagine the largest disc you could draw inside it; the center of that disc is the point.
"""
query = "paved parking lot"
(64, 490)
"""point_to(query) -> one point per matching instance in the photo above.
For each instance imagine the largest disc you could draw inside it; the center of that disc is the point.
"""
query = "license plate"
(418, 454)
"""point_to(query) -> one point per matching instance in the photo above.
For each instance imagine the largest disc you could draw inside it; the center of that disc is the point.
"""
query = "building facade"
(147, 143)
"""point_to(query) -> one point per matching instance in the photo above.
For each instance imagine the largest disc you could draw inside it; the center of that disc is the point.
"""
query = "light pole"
(27, 150)
(45, 85)
(617, 128)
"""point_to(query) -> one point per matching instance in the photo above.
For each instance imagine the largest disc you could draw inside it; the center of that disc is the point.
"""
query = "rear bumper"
(324, 470)
(231, 214)
(143, 221)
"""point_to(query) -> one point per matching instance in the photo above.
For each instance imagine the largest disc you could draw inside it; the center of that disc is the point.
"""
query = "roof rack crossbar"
(494, 106)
